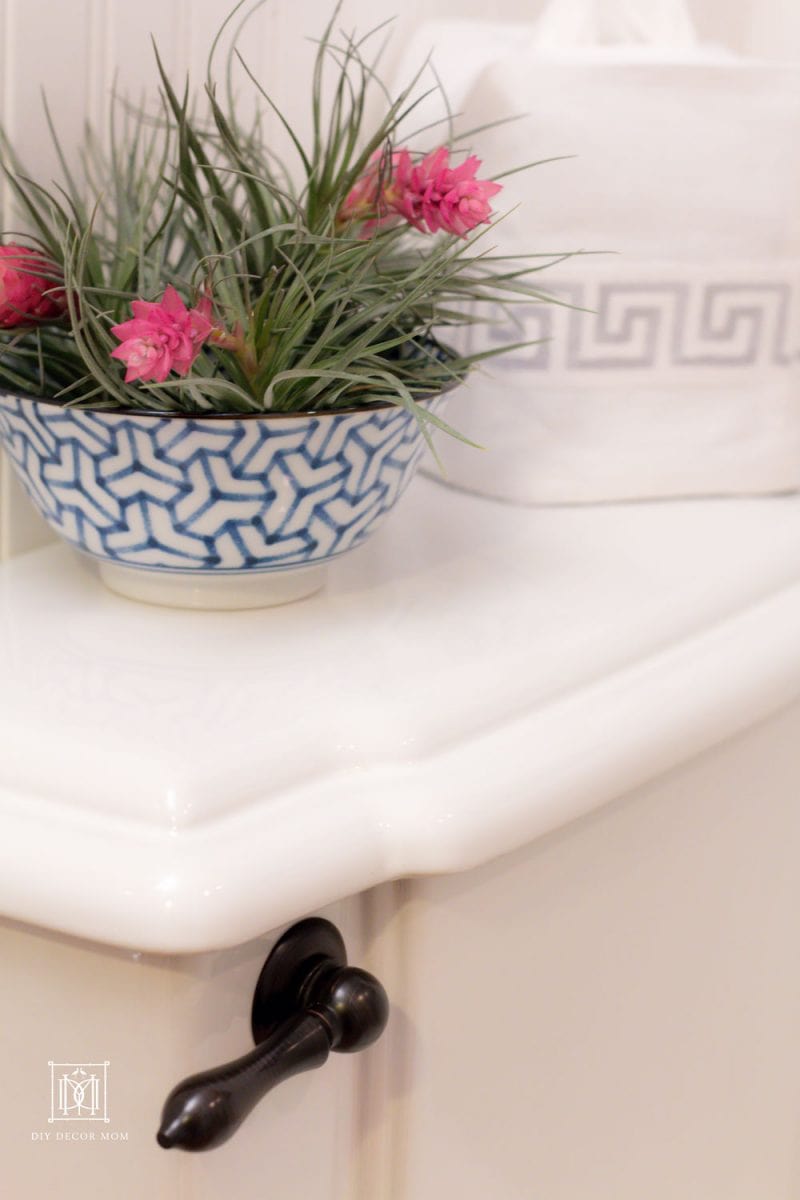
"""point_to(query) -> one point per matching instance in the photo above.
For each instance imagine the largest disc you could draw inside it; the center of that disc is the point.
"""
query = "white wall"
(73, 48)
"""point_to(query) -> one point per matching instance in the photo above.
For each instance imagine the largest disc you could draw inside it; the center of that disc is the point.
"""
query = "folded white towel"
(684, 383)
(685, 380)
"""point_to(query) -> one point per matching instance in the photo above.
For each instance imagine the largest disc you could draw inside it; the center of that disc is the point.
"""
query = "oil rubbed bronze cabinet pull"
(307, 1002)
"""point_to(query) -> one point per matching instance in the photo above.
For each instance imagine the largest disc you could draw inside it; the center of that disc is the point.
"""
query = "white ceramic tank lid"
(474, 676)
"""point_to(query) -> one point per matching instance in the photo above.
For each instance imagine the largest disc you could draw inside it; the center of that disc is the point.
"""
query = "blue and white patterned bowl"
(211, 511)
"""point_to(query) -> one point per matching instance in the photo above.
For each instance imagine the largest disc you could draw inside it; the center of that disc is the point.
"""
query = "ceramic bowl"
(212, 511)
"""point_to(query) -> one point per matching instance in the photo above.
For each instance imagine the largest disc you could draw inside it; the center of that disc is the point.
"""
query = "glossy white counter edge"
(224, 882)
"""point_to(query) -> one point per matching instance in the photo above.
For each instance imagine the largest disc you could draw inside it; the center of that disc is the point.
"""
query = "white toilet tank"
(540, 769)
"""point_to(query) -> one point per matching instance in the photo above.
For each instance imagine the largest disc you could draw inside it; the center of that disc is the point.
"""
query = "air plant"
(186, 268)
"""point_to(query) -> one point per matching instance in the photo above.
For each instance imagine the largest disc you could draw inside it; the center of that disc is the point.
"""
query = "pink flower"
(162, 337)
(433, 195)
(366, 200)
(30, 287)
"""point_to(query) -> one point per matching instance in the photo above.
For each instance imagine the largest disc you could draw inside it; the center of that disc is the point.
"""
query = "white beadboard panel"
(30, 62)
(129, 51)
(64, 62)
(58, 61)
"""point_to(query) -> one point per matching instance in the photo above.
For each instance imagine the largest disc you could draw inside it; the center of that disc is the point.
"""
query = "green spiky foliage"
(325, 315)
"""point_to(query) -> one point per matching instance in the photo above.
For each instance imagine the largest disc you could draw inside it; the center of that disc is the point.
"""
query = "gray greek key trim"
(667, 325)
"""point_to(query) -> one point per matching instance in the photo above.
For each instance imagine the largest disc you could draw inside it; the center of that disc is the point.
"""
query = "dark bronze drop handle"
(307, 1002)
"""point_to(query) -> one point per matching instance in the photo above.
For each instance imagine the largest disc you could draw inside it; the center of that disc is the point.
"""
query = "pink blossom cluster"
(431, 194)
(30, 287)
(162, 336)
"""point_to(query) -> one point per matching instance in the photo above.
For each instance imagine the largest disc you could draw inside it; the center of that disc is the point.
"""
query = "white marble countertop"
(474, 676)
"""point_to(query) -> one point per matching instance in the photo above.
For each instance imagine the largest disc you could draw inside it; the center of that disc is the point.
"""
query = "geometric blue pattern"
(211, 494)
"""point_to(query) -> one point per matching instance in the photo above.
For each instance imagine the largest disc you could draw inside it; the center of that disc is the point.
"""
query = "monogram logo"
(78, 1092)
